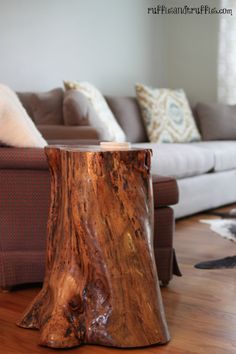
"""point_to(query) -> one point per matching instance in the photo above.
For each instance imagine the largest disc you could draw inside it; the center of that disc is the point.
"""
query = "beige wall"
(111, 43)
(192, 52)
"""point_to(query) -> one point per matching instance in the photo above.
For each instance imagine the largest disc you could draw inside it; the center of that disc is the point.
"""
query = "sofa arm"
(22, 159)
(62, 132)
(15, 158)
(165, 191)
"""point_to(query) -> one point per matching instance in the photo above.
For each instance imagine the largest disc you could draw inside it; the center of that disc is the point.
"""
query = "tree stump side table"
(101, 284)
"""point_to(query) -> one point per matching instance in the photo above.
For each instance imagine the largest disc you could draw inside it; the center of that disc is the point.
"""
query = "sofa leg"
(164, 283)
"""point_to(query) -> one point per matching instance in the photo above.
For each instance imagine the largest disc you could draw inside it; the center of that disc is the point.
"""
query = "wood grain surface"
(200, 305)
(101, 284)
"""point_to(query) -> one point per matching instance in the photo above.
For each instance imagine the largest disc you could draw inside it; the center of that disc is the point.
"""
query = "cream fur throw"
(16, 127)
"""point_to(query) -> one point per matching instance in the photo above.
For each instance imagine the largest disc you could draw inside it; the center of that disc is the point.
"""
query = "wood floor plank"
(200, 307)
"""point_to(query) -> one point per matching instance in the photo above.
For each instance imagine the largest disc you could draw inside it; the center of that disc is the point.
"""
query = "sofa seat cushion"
(224, 153)
(165, 191)
(179, 160)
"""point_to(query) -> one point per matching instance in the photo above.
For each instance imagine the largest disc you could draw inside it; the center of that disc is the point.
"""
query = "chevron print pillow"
(167, 115)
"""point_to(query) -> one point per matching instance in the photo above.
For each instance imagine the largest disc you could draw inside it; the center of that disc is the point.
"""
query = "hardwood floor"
(200, 307)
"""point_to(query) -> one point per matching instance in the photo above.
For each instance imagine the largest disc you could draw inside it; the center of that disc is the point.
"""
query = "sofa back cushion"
(43, 107)
(127, 112)
(77, 110)
(217, 121)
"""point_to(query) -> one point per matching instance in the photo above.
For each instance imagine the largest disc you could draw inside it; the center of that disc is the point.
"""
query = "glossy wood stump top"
(101, 284)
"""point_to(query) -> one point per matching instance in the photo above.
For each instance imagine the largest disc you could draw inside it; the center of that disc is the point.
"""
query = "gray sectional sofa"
(205, 171)
(205, 174)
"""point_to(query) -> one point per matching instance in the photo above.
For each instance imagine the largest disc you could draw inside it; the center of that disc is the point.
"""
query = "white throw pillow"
(167, 115)
(106, 123)
(16, 127)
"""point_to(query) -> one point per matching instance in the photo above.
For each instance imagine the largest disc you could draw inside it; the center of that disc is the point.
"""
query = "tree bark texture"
(101, 284)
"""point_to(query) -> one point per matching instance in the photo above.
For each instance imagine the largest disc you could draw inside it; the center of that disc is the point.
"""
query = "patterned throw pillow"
(106, 122)
(167, 115)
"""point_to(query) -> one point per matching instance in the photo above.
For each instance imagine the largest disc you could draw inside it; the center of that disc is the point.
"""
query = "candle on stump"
(114, 145)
